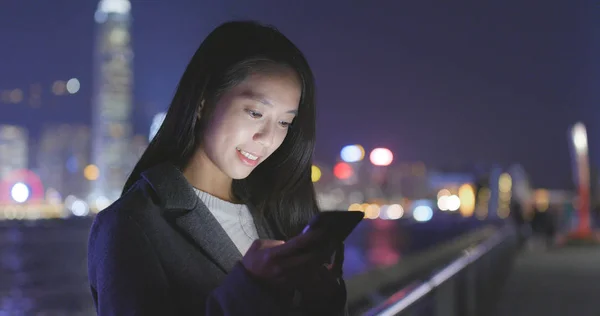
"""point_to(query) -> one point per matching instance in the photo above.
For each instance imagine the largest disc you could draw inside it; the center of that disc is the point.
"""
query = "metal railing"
(467, 286)
(372, 287)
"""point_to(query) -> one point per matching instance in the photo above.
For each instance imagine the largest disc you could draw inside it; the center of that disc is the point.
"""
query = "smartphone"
(337, 224)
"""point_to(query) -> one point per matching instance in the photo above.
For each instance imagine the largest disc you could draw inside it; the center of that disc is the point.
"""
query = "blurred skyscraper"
(62, 157)
(112, 100)
(13, 150)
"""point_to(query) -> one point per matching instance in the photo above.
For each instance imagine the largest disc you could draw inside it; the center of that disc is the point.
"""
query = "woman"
(210, 219)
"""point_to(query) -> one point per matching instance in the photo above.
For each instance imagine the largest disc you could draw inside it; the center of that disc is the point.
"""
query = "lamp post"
(581, 174)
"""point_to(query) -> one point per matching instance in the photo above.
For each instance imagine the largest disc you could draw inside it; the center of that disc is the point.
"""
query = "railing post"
(467, 292)
(445, 298)
(481, 285)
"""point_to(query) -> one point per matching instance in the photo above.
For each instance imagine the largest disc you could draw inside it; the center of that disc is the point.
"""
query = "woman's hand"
(284, 264)
(322, 285)
(324, 293)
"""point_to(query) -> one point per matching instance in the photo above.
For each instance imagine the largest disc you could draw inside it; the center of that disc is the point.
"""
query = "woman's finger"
(308, 261)
(299, 243)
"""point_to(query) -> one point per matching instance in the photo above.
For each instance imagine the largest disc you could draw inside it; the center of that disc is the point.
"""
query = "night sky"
(449, 83)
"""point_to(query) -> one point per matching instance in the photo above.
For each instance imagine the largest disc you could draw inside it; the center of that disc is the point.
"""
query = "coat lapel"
(201, 226)
(192, 218)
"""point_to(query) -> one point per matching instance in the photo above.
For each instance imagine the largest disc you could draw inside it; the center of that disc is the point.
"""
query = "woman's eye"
(254, 114)
(285, 124)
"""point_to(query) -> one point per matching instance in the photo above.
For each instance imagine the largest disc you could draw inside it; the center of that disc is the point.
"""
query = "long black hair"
(280, 187)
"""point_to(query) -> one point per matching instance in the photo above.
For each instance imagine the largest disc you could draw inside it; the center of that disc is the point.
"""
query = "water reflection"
(43, 268)
(43, 264)
(383, 249)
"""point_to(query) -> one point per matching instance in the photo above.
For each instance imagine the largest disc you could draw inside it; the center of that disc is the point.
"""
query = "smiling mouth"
(247, 154)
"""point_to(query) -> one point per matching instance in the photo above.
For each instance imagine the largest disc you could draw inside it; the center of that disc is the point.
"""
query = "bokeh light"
(394, 211)
(352, 153)
(505, 183)
(157, 122)
(73, 85)
(381, 157)
(466, 194)
(422, 213)
(343, 171)
(19, 192)
(315, 173)
(91, 172)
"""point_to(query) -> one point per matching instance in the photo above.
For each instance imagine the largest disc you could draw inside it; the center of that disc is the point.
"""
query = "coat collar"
(181, 205)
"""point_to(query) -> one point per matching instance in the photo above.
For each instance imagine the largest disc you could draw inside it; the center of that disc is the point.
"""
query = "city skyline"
(454, 106)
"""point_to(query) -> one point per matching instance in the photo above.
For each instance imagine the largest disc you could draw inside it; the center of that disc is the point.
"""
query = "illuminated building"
(63, 153)
(112, 100)
(14, 150)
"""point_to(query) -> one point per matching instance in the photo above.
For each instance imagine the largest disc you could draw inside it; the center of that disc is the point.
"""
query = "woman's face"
(251, 121)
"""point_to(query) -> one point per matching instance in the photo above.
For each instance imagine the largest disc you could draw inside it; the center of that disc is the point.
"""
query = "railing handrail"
(407, 296)
(368, 286)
